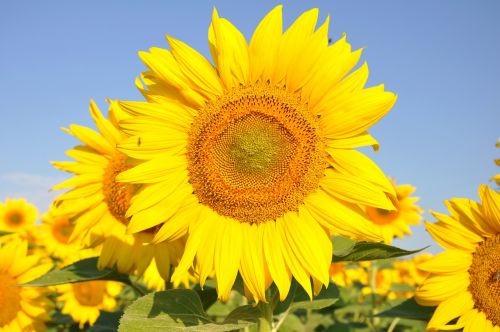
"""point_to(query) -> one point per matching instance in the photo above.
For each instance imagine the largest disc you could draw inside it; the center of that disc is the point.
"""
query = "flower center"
(382, 216)
(117, 195)
(89, 293)
(484, 275)
(62, 229)
(10, 299)
(255, 153)
(14, 218)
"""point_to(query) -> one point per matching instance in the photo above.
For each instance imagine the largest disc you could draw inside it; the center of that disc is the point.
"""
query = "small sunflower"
(99, 203)
(54, 234)
(344, 275)
(496, 178)
(22, 308)
(464, 281)
(409, 271)
(84, 300)
(392, 223)
(17, 215)
(254, 157)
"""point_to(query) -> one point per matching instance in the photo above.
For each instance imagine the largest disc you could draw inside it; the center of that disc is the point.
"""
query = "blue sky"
(440, 57)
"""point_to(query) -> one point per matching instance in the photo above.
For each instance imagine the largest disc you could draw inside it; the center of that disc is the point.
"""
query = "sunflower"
(99, 203)
(54, 233)
(84, 300)
(17, 215)
(344, 275)
(409, 271)
(496, 178)
(254, 157)
(22, 308)
(464, 281)
(392, 223)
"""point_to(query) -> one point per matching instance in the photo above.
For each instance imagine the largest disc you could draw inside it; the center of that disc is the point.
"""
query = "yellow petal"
(104, 126)
(148, 146)
(448, 262)
(354, 189)
(363, 139)
(227, 256)
(491, 206)
(252, 266)
(230, 52)
(438, 288)
(358, 111)
(357, 164)
(196, 68)
(293, 262)
(292, 43)
(341, 218)
(263, 48)
(91, 138)
(155, 170)
(278, 269)
(451, 308)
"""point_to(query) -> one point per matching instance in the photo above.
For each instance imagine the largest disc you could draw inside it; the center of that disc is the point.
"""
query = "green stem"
(373, 287)
(266, 320)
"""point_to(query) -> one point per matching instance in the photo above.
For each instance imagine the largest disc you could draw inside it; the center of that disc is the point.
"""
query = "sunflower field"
(234, 197)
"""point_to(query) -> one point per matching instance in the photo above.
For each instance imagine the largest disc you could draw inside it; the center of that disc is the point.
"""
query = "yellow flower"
(17, 215)
(496, 178)
(83, 300)
(100, 203)
(54, 233)
(254, 158)
(396, 222)
(464, 281)
(344, 275)
(22, 308)
(409, 271)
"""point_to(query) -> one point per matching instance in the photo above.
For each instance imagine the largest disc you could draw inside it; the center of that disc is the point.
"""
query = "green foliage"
(298, 299)
(346, 250)
(409, 309)
(179, 309)
(2, 233)
(84, 270)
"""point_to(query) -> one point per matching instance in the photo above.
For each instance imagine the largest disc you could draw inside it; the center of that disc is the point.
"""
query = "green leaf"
(246, 313)
(409, 309)
(107, 322)
(342, 245)
(84, 270)
(298, 299)
(2, 233)
(174, 310)
(367, 251)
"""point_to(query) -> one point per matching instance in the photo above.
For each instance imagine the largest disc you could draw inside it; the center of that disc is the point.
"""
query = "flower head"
(22, 308)
(463, 280)
(254, 157)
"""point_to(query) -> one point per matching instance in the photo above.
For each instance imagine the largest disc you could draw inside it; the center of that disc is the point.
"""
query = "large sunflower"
(396, 222)
(464, 281)
(99, 203)
(22, 308)
(253, 157)
(17, 215)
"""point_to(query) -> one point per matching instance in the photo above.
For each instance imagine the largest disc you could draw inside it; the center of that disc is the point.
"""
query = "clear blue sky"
(441, 57)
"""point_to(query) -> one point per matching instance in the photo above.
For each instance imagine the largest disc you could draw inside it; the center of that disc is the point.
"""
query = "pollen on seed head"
(484, 282)
(255, 153)
(117, 195)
